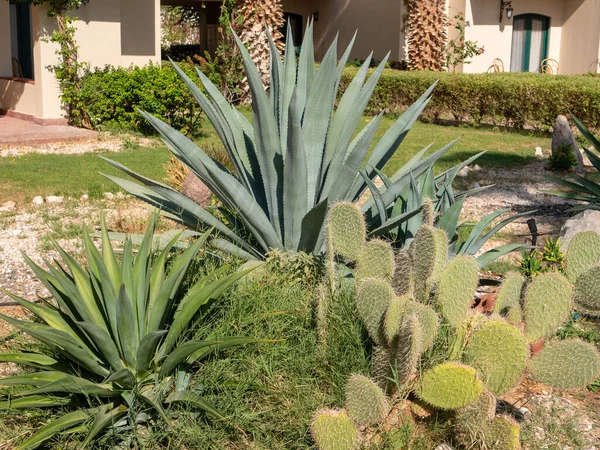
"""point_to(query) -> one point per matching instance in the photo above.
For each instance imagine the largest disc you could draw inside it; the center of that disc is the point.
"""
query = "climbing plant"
(69, 68)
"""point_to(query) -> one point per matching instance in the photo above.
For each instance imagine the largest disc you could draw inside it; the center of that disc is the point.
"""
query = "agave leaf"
(288, 84)
(381, 209)
(313, 223)
(233, 249)
(141, 273)
(179, 355)
(479, 228)
(29, 359)
(492, 255)
(224, 343)
(586, 133)
(126, 328)
(395, 222)
(69, 384)
(449, 219)
(147, 350)
(306, 67)
(193, 399)
(32, 379)
(61, 424)
(34, 401)
(105, 418)
(476, 246)
(276, 70)
(104, 343)
(594, 159)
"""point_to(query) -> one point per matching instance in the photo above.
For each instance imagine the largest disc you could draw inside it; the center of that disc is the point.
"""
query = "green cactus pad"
(365, 401)
(548, 302)
(381, 366)
(333, 430)
(503, 433)
(408, 348)
(499, 352)
(457, 288)
(372, 300)
(428, 212)
(567, 364)
(587, 292)
(428, 320)
(471, 421)
(394, 315)
(508, 302)
(583, 254)
(423, 257)
(347, 230)
(402, 275)
(376, 261)
(450, 386)
(441, 254)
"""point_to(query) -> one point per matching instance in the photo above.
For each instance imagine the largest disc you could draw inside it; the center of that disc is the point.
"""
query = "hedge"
(515, 100)
(113, 95)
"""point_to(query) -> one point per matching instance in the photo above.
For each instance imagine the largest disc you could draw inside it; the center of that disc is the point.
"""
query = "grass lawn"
(22, 178)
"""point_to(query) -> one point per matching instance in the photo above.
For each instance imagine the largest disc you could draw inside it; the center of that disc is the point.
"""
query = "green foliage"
(587, 288)
(333, 430)
(118, 333)
(563, 160)
(503, 99)
(567, 364)
(578, 187)
(347, 230)
(508, 302)
(114, 96)
(550, 259)
(449, 386)
(499, 352)
(456, 288)
(547, 304)
(365, 401)
(583, 254)
(460, 50)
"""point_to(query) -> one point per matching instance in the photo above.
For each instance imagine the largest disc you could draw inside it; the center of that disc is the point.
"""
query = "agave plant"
(119, 339)
(580, 188)
(299, 154)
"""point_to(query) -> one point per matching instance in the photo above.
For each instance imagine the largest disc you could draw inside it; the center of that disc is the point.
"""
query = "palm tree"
(426, 34)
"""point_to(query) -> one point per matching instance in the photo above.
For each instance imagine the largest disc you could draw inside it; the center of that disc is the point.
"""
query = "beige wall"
(580, 48)
(5, 51)
(378, 23)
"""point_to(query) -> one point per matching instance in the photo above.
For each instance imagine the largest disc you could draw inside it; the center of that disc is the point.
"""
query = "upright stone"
(562, 136)
(195, 189)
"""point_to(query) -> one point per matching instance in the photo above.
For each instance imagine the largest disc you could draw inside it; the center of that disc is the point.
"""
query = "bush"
(507, 99)
(181, 52)
(113, 95)
(563, 160)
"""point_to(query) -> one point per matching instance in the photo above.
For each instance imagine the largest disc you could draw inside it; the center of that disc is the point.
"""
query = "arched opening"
(529, 42)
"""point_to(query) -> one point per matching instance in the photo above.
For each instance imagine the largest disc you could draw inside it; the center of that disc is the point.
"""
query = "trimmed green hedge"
(112, 97)
(503, 99)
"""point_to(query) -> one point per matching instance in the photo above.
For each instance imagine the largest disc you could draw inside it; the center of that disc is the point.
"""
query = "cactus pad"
(333, 430)
(428, 212)
(376, 261)
(441, 254)
(372, 300)
(547, 305)
(408, 346)
(499, 352)
(450, 386)
(365, 401)
(423, 256)
(566, 364)
(381, 366)
(503, 433)
(583, 254)
(457, 288)
(471, 421)
(394, 315)
(401, 280)
(347, 230)
(428, 321)
(587, 292)
(508, 302)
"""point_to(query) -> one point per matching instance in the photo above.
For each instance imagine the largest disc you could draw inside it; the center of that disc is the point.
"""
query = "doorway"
(529, 42)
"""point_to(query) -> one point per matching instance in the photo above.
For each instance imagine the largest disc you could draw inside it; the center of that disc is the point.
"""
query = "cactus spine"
(365, 401)
(333, 430)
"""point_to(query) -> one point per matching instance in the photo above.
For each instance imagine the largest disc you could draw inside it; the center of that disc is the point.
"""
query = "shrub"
(562, 160)
(502, 99)
(113, 96)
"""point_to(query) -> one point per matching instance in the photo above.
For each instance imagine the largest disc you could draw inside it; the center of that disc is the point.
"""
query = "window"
(21, 40)
(295, 20)
(529, 42)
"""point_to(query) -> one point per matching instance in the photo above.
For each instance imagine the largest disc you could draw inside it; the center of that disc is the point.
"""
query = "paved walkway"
(20, 132)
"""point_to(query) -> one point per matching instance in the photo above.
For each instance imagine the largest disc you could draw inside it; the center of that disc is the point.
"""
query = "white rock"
(464, 171)
(84, 198)
(8, 207)
(477, 167)
(475, 186)
(39, 200)
(108, 196)
(54, 199)
(585, 221)
(120, 196)
(538, 152)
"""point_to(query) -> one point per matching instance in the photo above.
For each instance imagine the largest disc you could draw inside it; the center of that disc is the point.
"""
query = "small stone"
(120, 196)
(39, 200)
(538, 152)
(54, 199)
(108, 196)
(475, 186)
(8, 207)
(84, 198)
(464, 171)
(477, 167)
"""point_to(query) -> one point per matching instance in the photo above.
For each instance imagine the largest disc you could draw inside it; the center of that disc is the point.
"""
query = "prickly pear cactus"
(408, 346)
(372, 300)
(347, 230)
(548, 302)
(587, 292)
(583, 254)
(567, 364)
(376, 261)
(428, 212)
(365, 401)
(425, 255)
(401, 280)
(456, 289)
(441, 254)
(381, 365)
(503, 433)
(333, 430)
(428, 320)
(449, 386)
(394, 316)
(508, 302)
(471, 421)
(499, 352)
